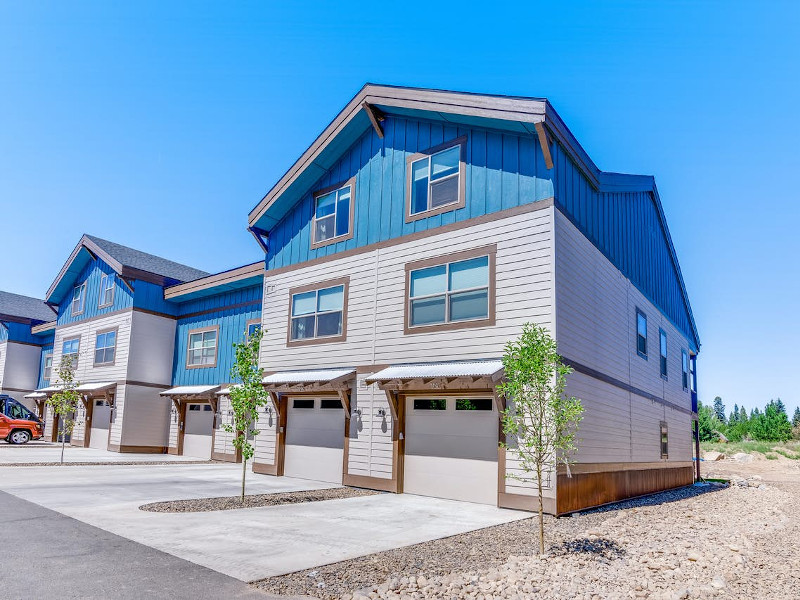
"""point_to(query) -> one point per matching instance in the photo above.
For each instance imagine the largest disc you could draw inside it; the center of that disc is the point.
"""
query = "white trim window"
(78, 299)
(47, 371)
(70, 349)
(435, 180)
(106, 290)
(332, 212)
(202, 348)
(317, 313)
(105, 347)
(448, 293)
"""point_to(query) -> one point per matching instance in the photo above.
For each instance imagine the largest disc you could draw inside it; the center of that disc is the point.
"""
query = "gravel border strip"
(471, 551)
(149, 463)
(255, 500)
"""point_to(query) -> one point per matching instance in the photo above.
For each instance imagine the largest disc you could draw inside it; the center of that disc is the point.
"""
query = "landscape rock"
(743, 457)
(713, 456)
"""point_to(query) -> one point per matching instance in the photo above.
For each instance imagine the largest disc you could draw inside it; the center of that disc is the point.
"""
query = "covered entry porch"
(193, 420)
(93, 418)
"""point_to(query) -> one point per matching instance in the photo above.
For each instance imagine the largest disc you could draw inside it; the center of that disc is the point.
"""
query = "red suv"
(18, 425)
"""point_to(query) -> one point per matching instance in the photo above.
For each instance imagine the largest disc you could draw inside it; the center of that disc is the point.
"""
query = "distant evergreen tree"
(754, 413)
(707, 422)
(743, 415)
(771, 426)
(780, 406)
(719, 409)
(796, 417)
(733, 419)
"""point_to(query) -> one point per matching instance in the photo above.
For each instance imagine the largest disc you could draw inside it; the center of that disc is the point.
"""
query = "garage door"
(451, 449)
(197, 429)
(101, 420)
(315, 439)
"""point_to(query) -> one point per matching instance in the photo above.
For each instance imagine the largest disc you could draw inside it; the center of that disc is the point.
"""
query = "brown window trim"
(345, 281)
(77, 352)
(341, 238)
(216, 347)
(462, 179)
(491, 252)
(662, 429)
(113, 291)
(247, 326)
(116, 339)
(84, 293)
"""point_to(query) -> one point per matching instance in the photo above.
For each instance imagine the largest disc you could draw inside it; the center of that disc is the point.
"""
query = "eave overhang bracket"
(376, 117)
(544, 142)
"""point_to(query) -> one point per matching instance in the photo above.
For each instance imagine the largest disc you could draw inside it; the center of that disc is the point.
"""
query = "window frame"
(77, 352)
(116, 339)
(663, 359)
(46, 376)
(323, 285)
(202, 330)
(247, 326)
(113, 288)
(351, 183)
(461, 174)
(82, 298)
(639, 312)
(489, 251)
(663, 439)
(685, 369)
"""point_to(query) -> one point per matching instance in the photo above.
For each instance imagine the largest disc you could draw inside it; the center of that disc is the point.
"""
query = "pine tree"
(754, 413)
(733, 419)
(796, 417)
(743, 415)
(780, 406)
(719, 409)
(771, 426)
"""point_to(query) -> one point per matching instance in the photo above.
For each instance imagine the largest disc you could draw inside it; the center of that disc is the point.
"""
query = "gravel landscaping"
(253, 501)
(697, 542)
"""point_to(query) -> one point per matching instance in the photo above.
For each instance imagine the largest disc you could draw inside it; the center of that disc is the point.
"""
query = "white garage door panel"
(100, 424)
(197, 431)
(314, 443)
(451, 454)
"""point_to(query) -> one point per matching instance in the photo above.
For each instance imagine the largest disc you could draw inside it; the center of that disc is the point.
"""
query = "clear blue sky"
(161, 124)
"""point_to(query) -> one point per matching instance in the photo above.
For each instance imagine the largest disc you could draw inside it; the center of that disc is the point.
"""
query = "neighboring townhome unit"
(26, 346)
(214, 312)
(409, 244)
(115, 326)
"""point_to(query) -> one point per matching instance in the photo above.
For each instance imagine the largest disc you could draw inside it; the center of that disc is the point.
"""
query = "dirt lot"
(741, 541)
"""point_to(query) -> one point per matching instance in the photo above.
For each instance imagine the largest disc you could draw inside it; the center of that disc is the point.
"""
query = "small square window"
(78, 299)
(303, 403)
(317, 315)
(474, 404)
(430, 404)
(435, 180)
(202, 348)
(328, 403)
(106, 290)
(333, 215)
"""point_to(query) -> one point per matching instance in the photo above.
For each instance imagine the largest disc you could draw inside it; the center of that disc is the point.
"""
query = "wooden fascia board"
(70, 259)
(212, 281)
(42, 327)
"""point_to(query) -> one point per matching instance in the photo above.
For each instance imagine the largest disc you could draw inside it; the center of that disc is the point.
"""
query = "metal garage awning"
(196, 391)
(84, 388)
(330, 381)
(36, 395)
(444, 372)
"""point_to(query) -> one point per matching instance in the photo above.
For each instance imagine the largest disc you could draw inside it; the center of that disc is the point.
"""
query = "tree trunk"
(63, 440)
(244, 474)
(541, 511)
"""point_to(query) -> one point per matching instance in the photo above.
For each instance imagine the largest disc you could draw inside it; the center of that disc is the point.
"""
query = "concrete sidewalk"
(251, 543)
(48, 555)
(48, 452)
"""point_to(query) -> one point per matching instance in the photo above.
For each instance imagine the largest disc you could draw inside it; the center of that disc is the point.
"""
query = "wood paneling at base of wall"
(138, 449)
(525, 502)
(370, 483)
(265, 469)
(585, 490)
(234, 458)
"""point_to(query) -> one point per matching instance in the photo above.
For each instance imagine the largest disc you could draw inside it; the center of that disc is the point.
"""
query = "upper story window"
(451, 292)
(435, 180)
(318, 313)
(664, 439)
(202, 348)
(662, 347)
(78, 299)
(684, 370)
(333, 214)
(70, 349)
(105, 347)
(641, 333)
(48, 368)
(106, 291)
(252, 327)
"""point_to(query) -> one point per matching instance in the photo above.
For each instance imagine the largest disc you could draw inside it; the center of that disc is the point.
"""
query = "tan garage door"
(451, 448)
(101, 421)
(315, 439)
(197, 431)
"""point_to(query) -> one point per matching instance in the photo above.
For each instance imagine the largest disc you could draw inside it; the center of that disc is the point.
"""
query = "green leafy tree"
(754, 413)
(719, 409)
(708, 423)
(540, 420)
(246, 396)
(772, 425)
(796, 417)
(64, 403)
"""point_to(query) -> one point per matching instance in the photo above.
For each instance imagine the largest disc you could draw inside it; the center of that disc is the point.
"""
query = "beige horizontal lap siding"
(19, 366)
(370, 443)
(115, 435)
(596, 327)
(265, 441)
(152, 348)
(223, 441)
(3, 352)
(145, 417)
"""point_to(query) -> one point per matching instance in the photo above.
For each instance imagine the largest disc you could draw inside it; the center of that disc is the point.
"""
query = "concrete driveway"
(251, 543)
(48, 452)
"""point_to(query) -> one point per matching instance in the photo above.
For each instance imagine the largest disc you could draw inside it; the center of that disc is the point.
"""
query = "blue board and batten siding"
(91, 274)
(231, 311)
(503, 170)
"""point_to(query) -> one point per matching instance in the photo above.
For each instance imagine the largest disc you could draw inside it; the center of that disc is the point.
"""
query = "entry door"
(197, 431)
(451, 448)
(314, 439)
(101, 421)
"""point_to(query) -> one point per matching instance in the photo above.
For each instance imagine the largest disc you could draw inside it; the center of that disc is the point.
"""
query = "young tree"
(64, 403)
(796, 417)
(246, 396)
(708, 423)
(733, 419)
(743, 415)
(540, 420)
(719, 409)
(772, 425)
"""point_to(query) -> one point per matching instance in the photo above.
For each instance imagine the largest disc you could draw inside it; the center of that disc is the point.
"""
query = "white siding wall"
(266, 439)
(146, 417)
(19, 366)
(596, 326)
(152, 349)
(223, 441)
(375, 319)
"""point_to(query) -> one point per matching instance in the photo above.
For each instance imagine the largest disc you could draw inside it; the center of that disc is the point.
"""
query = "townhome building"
(26, 346)
(408, 244)
(115, 326)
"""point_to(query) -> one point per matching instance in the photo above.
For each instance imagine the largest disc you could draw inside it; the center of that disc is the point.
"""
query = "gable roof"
(24, 308)
(533, 116)
(218, 283)
(127, 262)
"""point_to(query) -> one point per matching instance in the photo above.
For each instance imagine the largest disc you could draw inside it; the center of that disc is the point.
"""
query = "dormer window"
(333, 215)
(78, 299)
(106, 290)
(436, 180)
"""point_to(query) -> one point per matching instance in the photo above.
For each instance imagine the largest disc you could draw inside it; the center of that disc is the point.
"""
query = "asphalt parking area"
(246, 544)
